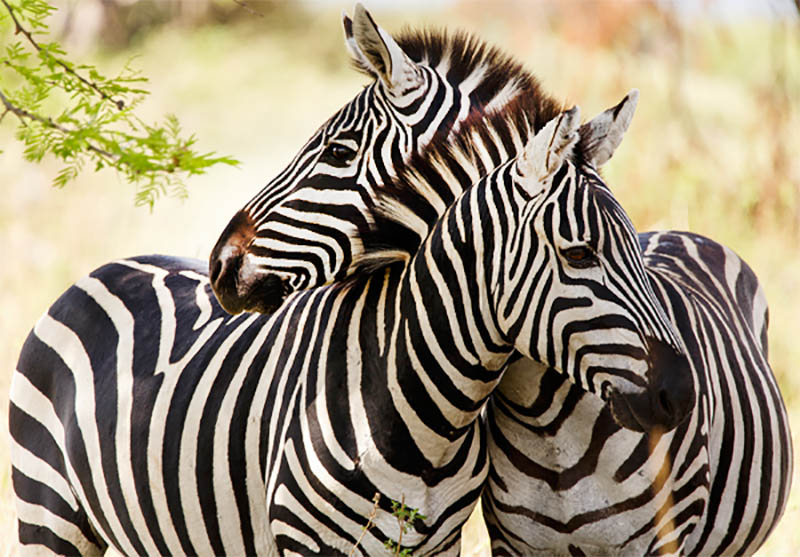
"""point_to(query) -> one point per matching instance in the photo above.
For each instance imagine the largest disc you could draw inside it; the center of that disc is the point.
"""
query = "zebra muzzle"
(225, 262)
(667, 400)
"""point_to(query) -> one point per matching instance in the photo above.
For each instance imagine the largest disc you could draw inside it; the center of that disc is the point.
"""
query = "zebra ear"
(601, 135)
(546, 152)
(350, 42)
(378, 53)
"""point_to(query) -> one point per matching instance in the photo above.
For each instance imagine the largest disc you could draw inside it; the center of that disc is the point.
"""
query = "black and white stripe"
(715, 485)
(558, 481)
(177, 478)
(584, 491)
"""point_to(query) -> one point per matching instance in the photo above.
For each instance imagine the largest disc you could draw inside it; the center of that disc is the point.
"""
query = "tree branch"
(19, 29)
(23, 114)
(242, 4)
(155, 158)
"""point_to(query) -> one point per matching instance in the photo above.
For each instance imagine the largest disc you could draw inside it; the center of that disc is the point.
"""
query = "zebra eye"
(337, 154)
(580, 257)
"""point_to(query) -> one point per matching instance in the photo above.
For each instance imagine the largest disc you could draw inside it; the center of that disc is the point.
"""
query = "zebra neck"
(412, 205)
(444, 321)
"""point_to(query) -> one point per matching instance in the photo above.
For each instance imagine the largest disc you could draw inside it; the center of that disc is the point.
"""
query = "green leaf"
(94, 119)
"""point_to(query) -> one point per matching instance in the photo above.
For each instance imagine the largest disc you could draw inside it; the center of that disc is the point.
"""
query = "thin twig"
(21, 113)
(18, 28)
(402, 522)
(370, 521)
(242, 4)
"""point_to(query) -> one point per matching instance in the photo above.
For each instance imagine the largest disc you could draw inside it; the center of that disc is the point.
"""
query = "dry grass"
(712, 149)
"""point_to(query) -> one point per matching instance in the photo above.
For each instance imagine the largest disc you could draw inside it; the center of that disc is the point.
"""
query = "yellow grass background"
(714, 148)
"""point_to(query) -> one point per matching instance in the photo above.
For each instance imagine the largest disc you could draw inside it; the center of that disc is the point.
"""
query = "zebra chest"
(321, 488)
(571, 478)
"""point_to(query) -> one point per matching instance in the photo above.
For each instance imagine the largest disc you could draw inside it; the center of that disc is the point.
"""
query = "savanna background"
(714, 147)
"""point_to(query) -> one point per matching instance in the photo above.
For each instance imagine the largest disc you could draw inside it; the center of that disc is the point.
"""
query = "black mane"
(464, 53)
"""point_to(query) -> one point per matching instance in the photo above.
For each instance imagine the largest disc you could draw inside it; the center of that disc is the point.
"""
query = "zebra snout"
(226, 260)
(672, 393)
(668, 398)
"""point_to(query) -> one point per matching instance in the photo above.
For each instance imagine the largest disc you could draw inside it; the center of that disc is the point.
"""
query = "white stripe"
(256, 482)
(40, 470)
(502, 97)
(453, 313)
(321, 399)
(229, 522)
(30, 400)
(201, 298)
(285, 401)
(157, 425)
(284, 498)
(166, 307)
(35, 514)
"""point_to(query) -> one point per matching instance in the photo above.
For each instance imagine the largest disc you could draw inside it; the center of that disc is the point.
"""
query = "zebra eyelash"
(338, 154)
(580, 257)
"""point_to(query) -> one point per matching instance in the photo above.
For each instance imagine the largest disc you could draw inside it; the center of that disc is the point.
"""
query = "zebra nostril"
(226, 260)
(666, 404)
(672, 396)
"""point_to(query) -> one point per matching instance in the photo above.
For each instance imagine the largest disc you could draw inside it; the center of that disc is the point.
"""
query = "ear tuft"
(347, 23)
(601, 136)
(546, 151)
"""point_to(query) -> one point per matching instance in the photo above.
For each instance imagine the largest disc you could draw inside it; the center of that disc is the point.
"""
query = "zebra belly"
(720, 311)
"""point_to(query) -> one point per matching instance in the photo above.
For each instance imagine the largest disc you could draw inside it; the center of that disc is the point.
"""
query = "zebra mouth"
(266, 294)
(665, 402)
(624, 410)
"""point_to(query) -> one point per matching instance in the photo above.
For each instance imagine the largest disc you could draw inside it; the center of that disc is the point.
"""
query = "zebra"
(424, 86)
(557, 483)
(715, 485)
(146, 418)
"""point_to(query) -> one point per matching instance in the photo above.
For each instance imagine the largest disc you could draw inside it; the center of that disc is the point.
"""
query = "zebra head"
(572, 291)
(305, 228)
